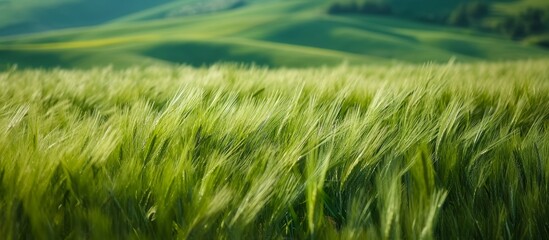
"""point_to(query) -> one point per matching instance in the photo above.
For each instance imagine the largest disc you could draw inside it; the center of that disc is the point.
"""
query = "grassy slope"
(280, 33)
(444, 151)
(28, 16)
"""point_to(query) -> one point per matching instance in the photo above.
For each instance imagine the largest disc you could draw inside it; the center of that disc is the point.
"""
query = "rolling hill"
(270, 33)
(28, 16)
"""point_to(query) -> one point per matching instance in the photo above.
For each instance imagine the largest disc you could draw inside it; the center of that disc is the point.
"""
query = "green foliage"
(413, 152)
(529, 22)
(516, 20)
(542, 41)
(468, 13)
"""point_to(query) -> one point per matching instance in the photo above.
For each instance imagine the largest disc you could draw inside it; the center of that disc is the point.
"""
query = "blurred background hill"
(283, 33)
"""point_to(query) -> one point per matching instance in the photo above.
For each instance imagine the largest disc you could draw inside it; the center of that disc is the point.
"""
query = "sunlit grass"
(413, 152)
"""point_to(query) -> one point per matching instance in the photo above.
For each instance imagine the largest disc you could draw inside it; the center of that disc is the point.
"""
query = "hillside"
(28, 16)
(270, 33)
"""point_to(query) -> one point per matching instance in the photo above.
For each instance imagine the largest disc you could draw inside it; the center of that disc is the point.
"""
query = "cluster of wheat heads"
(413, 152)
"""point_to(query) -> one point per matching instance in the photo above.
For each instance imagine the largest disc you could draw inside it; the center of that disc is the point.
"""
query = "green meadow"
(245, 152)
(274, 119)
(268, 33)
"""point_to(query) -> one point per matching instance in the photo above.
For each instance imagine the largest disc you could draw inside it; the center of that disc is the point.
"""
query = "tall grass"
(414, 152)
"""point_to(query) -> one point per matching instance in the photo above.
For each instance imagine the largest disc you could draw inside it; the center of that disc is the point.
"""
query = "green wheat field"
(402, 151)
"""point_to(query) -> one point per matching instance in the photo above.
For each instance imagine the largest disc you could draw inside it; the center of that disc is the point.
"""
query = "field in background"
(416, 152)
(268, 33)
